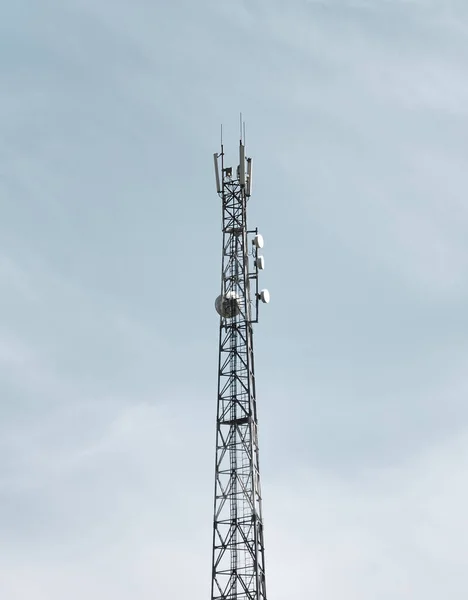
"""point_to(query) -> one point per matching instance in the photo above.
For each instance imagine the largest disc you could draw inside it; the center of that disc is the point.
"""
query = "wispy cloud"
(387, 533)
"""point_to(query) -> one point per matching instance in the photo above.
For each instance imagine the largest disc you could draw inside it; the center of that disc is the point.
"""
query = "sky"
(110, 246)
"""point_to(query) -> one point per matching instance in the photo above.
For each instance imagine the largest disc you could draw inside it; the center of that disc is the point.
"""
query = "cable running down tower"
(238, 567)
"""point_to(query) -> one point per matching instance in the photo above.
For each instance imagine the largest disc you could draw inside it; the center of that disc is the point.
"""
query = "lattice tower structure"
(238, 562)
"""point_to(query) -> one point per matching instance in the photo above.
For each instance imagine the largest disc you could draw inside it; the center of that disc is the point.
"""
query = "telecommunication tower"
(238, 546)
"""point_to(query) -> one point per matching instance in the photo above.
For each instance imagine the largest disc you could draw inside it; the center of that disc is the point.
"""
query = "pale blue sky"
(357, 121)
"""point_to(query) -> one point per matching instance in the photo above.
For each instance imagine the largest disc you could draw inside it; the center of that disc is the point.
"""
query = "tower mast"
(238, 566)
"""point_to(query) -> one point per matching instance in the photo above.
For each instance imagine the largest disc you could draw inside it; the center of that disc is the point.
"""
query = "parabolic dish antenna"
(228, 305)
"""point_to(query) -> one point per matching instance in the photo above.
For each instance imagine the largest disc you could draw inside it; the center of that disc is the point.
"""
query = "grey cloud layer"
(109, 262)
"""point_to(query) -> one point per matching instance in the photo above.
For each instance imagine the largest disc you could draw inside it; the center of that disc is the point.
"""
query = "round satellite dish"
(260, 262)
(228, 305)
(258, 241)
(265, 296)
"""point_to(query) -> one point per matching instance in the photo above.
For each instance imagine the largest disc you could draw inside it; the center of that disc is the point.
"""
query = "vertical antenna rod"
(238, 561)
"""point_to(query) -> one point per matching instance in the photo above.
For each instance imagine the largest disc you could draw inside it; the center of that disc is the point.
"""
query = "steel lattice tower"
(238, 545)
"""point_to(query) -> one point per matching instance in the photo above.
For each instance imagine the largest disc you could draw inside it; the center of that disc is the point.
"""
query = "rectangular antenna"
(248, 190)
(216, 167)
(242, 164)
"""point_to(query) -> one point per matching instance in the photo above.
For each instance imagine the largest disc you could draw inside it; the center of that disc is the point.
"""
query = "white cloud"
(387, 534)
(385, 111)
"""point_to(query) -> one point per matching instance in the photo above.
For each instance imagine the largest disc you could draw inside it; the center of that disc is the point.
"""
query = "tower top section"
(240, 294)
(243, 173)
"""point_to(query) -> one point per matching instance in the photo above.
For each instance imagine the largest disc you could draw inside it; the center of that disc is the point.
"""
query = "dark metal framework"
(238, 545)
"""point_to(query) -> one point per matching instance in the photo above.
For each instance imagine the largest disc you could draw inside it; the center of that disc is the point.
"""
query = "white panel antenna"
(216, 168)
(242, 164)
(248, 187)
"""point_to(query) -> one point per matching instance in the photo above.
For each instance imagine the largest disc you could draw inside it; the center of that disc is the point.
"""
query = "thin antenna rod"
(240, 127)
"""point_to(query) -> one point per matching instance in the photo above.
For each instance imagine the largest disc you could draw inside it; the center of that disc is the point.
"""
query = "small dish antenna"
(258, 241)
